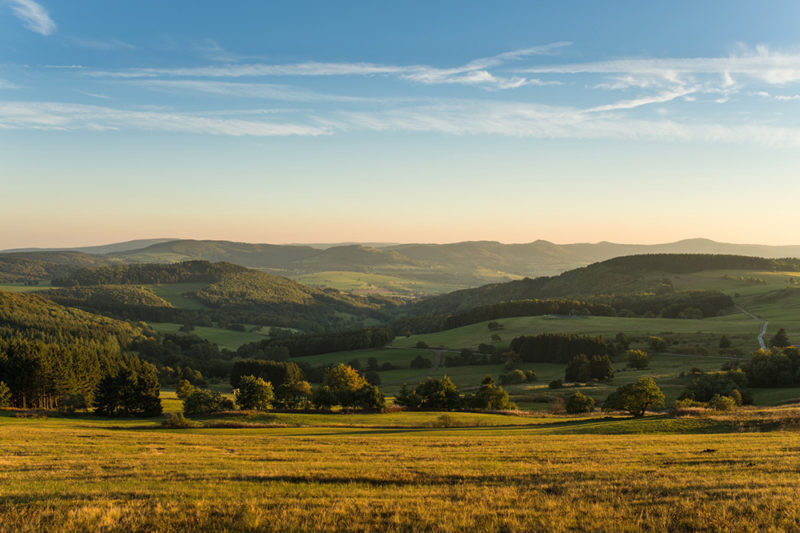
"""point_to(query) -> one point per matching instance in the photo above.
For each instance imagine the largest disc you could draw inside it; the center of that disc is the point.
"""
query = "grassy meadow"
(396, 472)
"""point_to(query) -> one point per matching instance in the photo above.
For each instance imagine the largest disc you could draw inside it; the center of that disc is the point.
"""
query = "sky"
(414, 121)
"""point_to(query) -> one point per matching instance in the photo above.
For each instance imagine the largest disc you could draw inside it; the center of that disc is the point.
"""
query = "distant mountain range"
(459, 265)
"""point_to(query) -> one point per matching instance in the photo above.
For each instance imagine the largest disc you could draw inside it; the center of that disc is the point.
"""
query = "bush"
(657, 344)
(490, 396)
(431, 394)
(421, 362)
(184, 389)
(203, 402)
(513, 378)
(530, 376)
(295, 395)
(372, 377)
(638, 359)
(254, 394)
(177, 421)
(421, 344)
(556, 384)
(579, 403)
(722, 403)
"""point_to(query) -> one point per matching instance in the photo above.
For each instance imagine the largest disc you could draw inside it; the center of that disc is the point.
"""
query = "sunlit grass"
(555, 474)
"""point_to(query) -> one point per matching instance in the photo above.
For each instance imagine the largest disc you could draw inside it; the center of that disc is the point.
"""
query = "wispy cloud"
(72, 117)
(101, 44)
(33, 15)
(458, 118)
(7, 85)
(474, 73)
(243, 90)
(645, 100)
(760, 63)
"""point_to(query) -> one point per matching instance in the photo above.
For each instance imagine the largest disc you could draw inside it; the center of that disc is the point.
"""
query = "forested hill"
(638, 274)
(147, 274)
(38, 318)
(54, 356)
(40, 266)
(222, 291)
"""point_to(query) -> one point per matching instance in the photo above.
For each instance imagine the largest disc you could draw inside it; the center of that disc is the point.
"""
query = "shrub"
(203, 402)
(177, 421)
(421, 344)
(579, 403)
(530, 376)
(657, 344)
(184, 389)
(295, 395)
(490, 396)
(556, 384)
(638, 359)
(514, 377)
(421, 362)
(722, 403)
(254, 393)
(372, 377)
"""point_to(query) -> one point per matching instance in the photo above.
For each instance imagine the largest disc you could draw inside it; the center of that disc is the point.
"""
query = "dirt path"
(763, 332)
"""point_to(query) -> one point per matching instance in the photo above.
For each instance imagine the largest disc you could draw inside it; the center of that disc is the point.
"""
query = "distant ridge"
(453, 265)
(137, 244)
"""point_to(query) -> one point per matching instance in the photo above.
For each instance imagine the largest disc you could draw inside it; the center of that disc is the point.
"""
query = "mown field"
(396, 473)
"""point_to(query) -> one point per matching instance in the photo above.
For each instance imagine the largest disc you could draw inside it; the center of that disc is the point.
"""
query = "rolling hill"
(630, 275)
(410, 270)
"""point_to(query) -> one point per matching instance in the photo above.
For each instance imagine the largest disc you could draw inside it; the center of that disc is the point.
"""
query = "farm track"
(763, 332)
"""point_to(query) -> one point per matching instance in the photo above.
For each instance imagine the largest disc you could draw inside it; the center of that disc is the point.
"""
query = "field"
(373, 283)
(21, 287)
(740, 328)
(225, 338)
(395, 472)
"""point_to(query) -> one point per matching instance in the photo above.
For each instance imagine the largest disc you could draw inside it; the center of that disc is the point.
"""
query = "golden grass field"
(394, 472)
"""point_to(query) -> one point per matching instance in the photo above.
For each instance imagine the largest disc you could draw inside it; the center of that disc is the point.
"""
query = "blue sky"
(405, 122)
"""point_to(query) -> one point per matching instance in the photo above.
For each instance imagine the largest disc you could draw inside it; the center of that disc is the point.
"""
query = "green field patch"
(225, 338)
(474, 334)
(175, 293)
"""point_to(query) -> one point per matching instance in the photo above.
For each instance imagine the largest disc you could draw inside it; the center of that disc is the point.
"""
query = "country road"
(763, 332)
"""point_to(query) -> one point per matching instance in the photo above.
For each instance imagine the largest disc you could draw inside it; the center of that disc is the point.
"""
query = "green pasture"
(739, 327)
(21, 287)
(175, 293)
(225, 338)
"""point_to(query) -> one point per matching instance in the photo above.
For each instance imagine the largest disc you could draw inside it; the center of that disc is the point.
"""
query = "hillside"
(245, 254)
(138, 274)
(204, 292)
(407, 270)
(41, 266)
(39, 318)
(639, 274)
(106, 298)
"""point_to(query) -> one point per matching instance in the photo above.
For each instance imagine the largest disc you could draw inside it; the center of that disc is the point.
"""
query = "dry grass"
(79, 475)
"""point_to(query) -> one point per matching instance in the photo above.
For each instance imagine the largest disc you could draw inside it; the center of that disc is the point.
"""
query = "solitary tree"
(780, 340)
(254, 393)
(635, 398)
